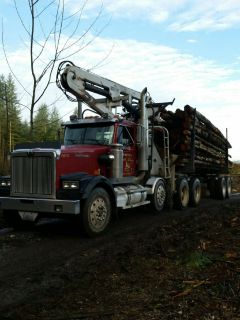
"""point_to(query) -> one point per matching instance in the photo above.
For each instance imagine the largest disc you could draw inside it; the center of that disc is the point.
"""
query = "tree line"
(14, 130)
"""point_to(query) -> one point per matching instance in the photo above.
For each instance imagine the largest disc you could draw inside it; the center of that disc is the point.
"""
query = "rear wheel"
(97, 212)
(169, 195)
(229, 187)
(159, 196)
(221, 188)
(194, 192)
(181, 198)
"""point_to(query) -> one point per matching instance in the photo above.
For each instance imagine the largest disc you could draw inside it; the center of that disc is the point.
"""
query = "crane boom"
(80, 82)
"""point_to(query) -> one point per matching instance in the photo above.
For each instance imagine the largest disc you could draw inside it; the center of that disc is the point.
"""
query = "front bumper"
(40, 205)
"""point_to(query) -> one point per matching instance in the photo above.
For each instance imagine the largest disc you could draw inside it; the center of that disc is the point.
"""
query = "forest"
(15, 129)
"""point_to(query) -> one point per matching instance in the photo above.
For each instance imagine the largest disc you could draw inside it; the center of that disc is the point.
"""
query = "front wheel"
(96, 213)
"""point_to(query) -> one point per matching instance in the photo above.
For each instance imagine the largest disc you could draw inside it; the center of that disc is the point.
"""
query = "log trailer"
(131, 153)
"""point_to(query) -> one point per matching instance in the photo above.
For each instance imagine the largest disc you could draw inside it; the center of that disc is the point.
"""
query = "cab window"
(125, 136)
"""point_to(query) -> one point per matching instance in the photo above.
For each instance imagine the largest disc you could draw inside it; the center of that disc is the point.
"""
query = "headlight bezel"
(5, 182)
(70, 185)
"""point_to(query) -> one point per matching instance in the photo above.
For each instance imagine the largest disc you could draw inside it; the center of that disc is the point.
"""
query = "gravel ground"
(177, 265)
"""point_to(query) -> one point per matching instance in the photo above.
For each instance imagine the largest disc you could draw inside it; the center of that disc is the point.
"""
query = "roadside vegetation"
(235, 172)
(235, 168)
(14, 129)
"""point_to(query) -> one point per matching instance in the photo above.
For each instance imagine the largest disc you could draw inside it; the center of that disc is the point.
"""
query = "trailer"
(130, 152)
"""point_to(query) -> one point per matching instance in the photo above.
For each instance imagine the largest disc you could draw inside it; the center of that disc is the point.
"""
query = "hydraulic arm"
(80, 82)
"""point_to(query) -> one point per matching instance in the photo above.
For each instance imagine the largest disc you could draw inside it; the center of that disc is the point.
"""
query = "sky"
(183, 49)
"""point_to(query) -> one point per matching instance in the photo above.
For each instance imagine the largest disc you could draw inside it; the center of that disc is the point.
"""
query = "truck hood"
(84, 151)
(81, 158)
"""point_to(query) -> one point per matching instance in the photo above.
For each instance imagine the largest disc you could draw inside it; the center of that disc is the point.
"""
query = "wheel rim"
(160, 195)
(229, 187)
(224, 188)
(184, 196)
(197, 193)
(98, 214)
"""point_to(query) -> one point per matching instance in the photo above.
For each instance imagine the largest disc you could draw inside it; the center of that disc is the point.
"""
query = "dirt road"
(177, 265)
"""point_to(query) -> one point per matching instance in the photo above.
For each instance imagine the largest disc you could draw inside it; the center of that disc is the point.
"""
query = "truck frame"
(120, 158)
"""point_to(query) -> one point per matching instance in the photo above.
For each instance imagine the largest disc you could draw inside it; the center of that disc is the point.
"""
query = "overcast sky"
(183, 49)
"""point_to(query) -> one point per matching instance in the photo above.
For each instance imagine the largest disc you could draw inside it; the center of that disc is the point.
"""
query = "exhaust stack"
(143, 148)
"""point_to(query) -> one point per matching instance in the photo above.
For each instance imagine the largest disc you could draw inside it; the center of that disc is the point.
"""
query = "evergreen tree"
(46, 124)
(13, 130)
(14, 115)
(41, 121)
(54, 124)
(2, 124)
(10, 120)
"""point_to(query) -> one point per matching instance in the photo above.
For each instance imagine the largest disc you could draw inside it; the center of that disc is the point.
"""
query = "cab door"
(126, 137)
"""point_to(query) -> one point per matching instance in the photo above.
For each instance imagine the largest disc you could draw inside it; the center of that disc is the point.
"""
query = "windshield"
(96, 135)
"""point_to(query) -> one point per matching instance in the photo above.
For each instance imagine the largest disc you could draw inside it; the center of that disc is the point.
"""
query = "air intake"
(33, 174)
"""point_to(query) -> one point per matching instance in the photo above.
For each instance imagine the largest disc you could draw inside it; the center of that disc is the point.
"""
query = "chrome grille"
(33, 174)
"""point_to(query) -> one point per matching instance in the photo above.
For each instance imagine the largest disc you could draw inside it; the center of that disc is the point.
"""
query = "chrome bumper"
(40, 205)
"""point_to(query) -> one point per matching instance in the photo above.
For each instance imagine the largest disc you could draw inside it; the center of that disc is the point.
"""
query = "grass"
(197, 259)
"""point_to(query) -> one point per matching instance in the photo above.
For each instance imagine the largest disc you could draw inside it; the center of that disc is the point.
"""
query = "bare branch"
(100, 63)
(57, 57)
(22, 22)
(68, 46)
(32, 40)
(56, 100)
(9, 66)
(53, 30)
(77, 25)
(55, 24)
(64, 48)
(47, 84)
(23, 106)
(32, 64)
(51, 64)
(45, 8)
(86, 44)
(76, 13)
(43, 46)
(20, 18)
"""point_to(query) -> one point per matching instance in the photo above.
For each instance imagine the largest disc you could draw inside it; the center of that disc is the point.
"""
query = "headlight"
(5, 183)
(70, 184)
(106, 158)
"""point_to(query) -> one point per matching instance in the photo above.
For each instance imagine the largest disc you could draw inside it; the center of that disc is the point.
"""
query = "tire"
(194, 192)
(97, 211)
(229, 187)
(181, 198)
(159, 196)
(221, 188)
(169, 195)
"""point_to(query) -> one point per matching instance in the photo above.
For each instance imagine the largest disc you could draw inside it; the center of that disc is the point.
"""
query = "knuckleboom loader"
(120, 158)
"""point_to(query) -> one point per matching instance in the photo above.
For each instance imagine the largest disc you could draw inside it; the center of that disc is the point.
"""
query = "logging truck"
(128, 152)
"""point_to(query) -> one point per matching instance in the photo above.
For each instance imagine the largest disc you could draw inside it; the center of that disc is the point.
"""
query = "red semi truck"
(108, 161)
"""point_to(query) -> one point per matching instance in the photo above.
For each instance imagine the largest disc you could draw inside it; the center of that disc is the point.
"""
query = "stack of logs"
(200, 146)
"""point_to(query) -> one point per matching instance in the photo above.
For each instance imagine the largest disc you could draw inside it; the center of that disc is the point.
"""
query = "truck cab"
(89, 176)
(89, 143)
